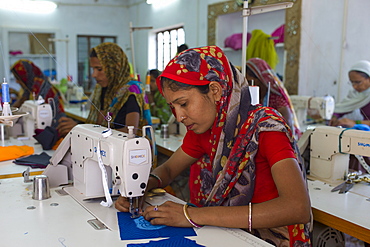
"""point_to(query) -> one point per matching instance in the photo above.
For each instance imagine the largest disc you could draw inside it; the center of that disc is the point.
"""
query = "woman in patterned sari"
(239, 177)
(34, 84)
(261, 73)
(116, 94)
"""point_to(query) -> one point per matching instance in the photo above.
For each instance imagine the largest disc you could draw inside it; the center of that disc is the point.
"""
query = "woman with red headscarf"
(34, 84)
(239, 177)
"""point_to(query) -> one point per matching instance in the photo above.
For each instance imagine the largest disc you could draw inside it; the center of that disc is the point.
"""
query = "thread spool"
(5, 91)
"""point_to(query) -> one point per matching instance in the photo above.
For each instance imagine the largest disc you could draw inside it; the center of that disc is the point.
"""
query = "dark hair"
(250, 72)
(93, 53)
(175, 86)
(363, 74)
(154, 72)
(182, 47)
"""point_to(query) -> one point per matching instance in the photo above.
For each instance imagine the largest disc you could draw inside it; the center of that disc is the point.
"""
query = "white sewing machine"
(315, 107)
(39, 116)
(74, 93)
(176, 128)
(330, 148)
(98, 159)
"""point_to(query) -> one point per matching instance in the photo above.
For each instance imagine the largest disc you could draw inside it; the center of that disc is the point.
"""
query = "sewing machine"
(330, 148)
(39, 116)
(176, 128)
(313, 107)
(98, 159)
(74, 93)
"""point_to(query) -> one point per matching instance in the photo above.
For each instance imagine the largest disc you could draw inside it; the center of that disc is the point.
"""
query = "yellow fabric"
(14, 152)
(262, 46)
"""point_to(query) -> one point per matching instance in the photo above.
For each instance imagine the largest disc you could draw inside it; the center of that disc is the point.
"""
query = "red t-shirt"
(267, 155)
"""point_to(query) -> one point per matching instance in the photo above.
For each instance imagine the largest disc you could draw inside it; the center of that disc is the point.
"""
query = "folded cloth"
(173, 241)
(35, 160)
(47, 137)
(140, 228)
(13, 152)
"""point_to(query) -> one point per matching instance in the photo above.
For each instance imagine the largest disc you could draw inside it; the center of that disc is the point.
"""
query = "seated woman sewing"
(355, 108)
(239, 178)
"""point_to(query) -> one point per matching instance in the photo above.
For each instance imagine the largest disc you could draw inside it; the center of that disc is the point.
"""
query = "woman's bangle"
(250, 217)
(188, 217)
(158, 179)
(358, 122)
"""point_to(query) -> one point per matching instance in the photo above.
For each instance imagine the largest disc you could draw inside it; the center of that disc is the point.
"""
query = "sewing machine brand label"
(361, 144)
(44, 113)
(138, 156)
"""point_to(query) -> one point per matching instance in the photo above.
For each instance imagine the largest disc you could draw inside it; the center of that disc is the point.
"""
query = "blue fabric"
(140, 228)
(174, 241)
(361, 127)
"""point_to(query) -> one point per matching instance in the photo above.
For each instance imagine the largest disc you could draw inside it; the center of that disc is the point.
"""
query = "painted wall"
(335, 35)
(72, 18)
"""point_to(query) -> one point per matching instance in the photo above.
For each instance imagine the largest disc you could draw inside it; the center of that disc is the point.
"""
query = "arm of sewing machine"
(97, 162)
(330, 148)
(315, 107)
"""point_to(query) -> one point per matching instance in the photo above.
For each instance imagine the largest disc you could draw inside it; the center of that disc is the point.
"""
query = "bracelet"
(250, 217)
(158, 179)
(358, 122)
(188, 217)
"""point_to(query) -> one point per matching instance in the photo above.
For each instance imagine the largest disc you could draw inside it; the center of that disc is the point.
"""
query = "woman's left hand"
(346, 122)
(169, 214)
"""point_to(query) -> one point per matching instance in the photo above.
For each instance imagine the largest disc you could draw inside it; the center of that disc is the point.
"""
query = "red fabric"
(279, 32)
(195, 145)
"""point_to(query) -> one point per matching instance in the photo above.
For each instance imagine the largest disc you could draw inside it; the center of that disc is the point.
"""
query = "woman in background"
(35, 84)
(158, 105)
(115, 93)
(261, 74)
(355, 108)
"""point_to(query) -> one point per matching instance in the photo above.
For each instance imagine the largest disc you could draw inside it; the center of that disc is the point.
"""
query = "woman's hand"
(169, 214)
(346, 122)
(122, 204)
(65, 125)
(333, 121)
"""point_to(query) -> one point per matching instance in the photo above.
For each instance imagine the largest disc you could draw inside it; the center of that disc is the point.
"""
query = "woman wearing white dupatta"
(355, 108)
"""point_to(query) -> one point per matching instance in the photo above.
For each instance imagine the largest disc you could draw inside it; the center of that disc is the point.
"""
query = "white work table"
(62, 221)
(8, 169)
(168, 146)
(347, 212)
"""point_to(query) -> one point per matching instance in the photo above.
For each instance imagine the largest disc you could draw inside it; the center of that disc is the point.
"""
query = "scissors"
(343, 187)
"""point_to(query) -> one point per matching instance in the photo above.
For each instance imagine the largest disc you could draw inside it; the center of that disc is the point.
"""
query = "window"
(167, 43)
(84, 45)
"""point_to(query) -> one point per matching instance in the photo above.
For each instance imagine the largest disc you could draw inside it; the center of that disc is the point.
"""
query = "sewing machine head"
(329, 149)
(40, 115)
(98, 161)
(316, 108)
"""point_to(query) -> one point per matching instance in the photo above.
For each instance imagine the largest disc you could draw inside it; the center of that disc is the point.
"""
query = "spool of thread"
(255, 94)
(147, 83)
(5, 91)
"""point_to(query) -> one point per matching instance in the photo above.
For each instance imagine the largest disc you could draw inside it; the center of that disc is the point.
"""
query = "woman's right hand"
(65, 125)
(122, 204)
